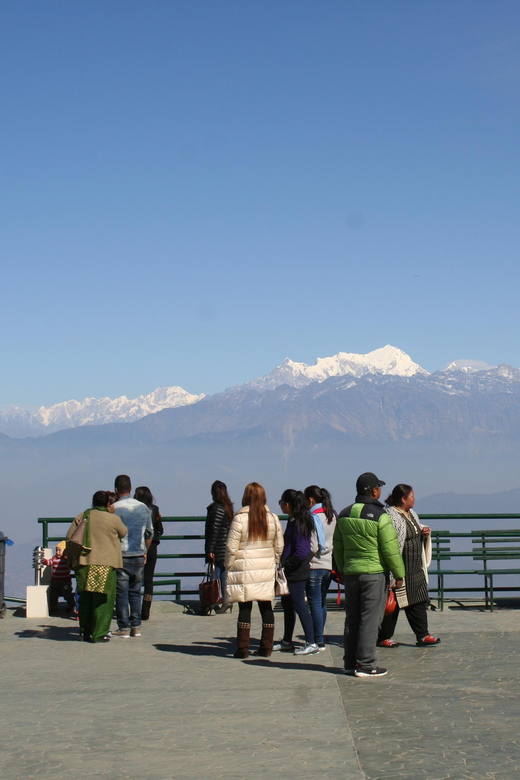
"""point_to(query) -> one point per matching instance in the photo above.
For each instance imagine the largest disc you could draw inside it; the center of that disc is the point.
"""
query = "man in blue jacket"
(365, 548)
(138, 519)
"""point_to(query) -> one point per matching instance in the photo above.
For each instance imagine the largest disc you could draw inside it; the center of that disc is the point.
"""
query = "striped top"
(60, 568)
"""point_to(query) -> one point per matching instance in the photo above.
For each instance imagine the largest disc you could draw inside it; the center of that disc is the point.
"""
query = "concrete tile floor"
(174, 704)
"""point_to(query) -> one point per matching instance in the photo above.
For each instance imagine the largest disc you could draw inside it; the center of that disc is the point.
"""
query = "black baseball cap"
(368, 480)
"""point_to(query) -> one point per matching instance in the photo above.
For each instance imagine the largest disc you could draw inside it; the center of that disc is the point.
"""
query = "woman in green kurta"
(96, 567)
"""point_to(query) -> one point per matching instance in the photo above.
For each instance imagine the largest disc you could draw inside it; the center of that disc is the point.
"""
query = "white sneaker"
(307, 649)
(124, 633)
(284, 647)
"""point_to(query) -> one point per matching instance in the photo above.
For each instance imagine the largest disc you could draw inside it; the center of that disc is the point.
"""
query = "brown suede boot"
(266, 640)
(242, 650)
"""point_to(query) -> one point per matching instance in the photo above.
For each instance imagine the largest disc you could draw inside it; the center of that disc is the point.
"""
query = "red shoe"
(390, 643)
(427, 641)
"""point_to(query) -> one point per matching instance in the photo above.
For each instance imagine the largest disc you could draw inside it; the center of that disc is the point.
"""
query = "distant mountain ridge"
(326, 382)
(18, 422)
(441, 407)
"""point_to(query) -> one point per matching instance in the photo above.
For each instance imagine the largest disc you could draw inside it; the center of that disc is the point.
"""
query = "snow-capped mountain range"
(92, 411)
(386, 361)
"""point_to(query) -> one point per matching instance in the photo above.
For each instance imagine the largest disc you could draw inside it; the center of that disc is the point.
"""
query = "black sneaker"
(377, 672)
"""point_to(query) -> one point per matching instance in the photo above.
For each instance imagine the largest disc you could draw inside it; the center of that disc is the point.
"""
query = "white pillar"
(37, 604)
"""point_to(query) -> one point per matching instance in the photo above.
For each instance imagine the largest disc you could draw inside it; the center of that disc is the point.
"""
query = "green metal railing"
(480, 551)
(161, 579)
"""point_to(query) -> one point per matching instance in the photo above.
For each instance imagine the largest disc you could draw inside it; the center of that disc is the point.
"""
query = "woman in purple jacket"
(296, 565)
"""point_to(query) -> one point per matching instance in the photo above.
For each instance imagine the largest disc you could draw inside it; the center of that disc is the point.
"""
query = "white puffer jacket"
(251, 564)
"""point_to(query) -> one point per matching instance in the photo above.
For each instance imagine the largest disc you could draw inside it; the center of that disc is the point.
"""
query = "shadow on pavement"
(467, 606)
(225, 650)
(303, 665)
(54, 633)
(222, 649)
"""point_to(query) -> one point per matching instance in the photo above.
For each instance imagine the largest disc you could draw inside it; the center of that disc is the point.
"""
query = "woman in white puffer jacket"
(253, 550)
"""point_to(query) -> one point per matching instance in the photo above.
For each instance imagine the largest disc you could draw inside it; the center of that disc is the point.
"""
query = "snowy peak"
(97, 411)
(386, 360)
(93, 411)
(468, 366)
(480, 371)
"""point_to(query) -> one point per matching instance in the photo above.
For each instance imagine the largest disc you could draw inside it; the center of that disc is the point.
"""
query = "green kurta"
(95, 608)
(97, 590)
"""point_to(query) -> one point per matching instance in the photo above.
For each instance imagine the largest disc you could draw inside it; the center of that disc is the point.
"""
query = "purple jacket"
(296, 554)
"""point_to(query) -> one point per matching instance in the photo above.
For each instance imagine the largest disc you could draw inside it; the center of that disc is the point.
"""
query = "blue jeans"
(221, 574)
(317, 589)
(128, 592)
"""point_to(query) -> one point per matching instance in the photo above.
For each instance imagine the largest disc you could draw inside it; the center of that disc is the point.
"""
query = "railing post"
(45, 533)
(484, 566)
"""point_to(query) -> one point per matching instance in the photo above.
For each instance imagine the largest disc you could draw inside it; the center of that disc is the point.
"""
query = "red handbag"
(391, 602)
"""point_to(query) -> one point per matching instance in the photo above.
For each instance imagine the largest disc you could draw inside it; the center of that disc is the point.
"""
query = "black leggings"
(417, 617)
(149, 568)
(294, 604)
(265, 607)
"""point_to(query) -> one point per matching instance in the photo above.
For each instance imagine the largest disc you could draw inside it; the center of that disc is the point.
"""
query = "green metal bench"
(442, 551)
(496, 546)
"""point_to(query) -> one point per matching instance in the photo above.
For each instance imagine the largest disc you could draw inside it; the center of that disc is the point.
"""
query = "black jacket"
(158, 529)
(216, 532)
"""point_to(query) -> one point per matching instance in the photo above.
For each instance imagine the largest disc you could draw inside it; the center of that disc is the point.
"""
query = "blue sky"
(193, 190)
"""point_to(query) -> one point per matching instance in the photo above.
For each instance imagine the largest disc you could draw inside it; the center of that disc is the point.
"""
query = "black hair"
(219, 494)
(122, 484)
(397, 495)
(144, 494)
(300, 511)
(100, 498)
(321, 496)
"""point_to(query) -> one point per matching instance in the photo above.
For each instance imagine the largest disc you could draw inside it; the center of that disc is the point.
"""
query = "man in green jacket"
(365, 548)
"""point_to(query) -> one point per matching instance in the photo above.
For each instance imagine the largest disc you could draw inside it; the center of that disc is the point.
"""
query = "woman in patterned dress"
(96, 566)
(415, 547)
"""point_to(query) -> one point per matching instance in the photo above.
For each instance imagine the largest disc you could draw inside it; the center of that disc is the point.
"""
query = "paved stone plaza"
(173, 704)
